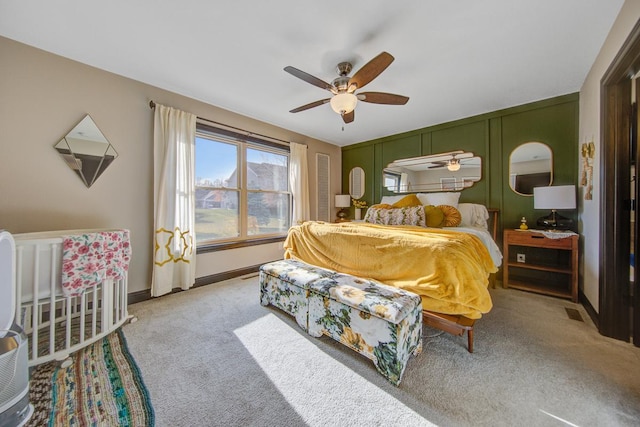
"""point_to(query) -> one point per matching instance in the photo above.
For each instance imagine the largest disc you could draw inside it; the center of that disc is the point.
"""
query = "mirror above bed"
(86, 151)
(451, 171)
(530, 165)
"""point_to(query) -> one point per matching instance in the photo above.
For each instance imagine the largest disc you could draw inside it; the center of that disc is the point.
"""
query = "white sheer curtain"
(174, 200)
(299, 182)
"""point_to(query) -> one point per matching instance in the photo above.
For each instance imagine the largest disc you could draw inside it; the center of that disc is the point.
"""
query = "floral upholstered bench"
(285, 284)
(378, 321)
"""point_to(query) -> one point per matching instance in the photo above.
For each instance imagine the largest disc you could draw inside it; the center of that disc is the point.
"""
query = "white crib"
(57, 325)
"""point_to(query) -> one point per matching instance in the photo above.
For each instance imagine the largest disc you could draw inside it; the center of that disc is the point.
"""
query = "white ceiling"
(453, 58)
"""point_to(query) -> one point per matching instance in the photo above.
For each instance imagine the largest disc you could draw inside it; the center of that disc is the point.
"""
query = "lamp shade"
(343, 103)
(554, 197)
(343, 200)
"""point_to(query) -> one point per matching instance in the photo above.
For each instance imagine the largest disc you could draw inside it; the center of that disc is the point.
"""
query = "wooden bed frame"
(458, 324)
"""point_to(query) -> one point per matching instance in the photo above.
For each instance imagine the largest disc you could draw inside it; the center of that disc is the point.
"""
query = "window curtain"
(299, 182)
(174, 200)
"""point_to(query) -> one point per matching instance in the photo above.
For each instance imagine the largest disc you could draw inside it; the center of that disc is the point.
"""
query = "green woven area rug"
(102, 387)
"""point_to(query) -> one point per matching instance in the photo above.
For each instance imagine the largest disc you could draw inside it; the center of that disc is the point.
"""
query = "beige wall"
(590, 131)
(43, 96)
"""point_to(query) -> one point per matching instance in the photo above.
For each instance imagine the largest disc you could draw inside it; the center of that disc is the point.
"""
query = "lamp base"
(342, 215)
(555, 221)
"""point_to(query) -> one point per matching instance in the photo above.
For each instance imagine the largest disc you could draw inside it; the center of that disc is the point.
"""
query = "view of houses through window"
(242, 190)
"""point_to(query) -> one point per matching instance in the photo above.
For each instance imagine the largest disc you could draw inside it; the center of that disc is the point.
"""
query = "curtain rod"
(152, 105)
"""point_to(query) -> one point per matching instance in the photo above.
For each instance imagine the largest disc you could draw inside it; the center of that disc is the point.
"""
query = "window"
(242, 188)
(392, 181)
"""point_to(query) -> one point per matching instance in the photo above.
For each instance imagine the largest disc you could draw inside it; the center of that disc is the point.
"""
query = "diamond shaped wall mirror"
(86, 151)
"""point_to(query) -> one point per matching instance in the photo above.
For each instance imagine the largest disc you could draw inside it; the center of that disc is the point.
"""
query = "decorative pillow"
(406, 201)
(435, 199)
(382, 206)
(410, 215)
(435, 216)
(389, 200)
(452, 217)
(473, 215)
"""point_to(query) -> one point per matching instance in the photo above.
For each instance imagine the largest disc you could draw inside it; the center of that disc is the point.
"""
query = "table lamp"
(342, 201)
(556, 197)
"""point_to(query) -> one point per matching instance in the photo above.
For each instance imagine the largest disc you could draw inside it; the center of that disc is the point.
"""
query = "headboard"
(493, 222)
(450, 198)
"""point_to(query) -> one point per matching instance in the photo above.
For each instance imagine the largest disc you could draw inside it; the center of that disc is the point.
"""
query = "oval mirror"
(452, 171)
(356, 182)
(530, 165)
(86, 151)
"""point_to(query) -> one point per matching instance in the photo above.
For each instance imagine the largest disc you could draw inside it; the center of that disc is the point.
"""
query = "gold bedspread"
(448, 269)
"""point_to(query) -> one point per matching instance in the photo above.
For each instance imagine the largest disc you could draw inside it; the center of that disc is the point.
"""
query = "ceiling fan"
(343, 88)
(453, 163)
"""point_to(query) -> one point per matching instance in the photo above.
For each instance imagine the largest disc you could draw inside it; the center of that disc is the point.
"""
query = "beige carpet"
(213, 356)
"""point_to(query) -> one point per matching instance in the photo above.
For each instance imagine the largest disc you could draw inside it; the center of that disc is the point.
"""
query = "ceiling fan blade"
(382, 98)
(348, 117)
(309, 78)
(438, 164)
(370, 71)
(310, 105)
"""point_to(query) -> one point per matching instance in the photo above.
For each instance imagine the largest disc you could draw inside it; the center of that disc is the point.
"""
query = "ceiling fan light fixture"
(344, 103)
(454, 165)
(343, 87)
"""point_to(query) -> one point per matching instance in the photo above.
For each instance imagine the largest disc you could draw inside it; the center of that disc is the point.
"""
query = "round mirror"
(530, 165)
(356, 182)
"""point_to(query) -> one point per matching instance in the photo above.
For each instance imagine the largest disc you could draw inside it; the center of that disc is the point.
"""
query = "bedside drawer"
(530, 238)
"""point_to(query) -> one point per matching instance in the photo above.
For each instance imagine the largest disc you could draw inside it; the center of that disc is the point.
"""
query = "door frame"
(614, 318)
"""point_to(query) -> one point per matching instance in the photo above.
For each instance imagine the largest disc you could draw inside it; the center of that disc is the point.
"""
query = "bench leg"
(470, 340)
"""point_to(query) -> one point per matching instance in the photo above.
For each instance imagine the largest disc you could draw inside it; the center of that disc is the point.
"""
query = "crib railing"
(57, 325)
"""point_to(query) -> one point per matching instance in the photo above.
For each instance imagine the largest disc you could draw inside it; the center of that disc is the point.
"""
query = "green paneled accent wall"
(491, 136)
(364, 157)
(556, 126)
(473, 137)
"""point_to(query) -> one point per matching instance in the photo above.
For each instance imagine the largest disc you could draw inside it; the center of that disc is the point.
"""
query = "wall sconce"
(342, 201)
(555, 198)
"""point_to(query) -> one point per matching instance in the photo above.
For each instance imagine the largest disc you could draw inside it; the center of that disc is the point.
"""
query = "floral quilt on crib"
(89, 259)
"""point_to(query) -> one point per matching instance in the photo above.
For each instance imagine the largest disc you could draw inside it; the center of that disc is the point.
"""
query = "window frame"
(397, 180)
(243, 143)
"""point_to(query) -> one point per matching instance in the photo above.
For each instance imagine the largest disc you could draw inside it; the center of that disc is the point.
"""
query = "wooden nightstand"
(536, 263)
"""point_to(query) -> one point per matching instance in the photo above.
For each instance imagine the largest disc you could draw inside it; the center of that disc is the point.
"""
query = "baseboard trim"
(139, 296)
(219, 277)
(593, 314)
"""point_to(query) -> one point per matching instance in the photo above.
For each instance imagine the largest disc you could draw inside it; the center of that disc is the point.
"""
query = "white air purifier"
(15, 409)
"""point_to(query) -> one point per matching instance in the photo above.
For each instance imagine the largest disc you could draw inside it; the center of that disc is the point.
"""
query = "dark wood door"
(616, 316)
(634, 286)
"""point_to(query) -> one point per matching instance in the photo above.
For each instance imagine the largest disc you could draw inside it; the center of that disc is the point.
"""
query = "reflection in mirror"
(452, 171)
(530, 165)
(356, 182)
(86, 151)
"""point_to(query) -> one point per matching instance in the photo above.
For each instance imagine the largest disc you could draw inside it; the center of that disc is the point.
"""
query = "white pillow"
(389, 200)
(473, 215)
(436, 199)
